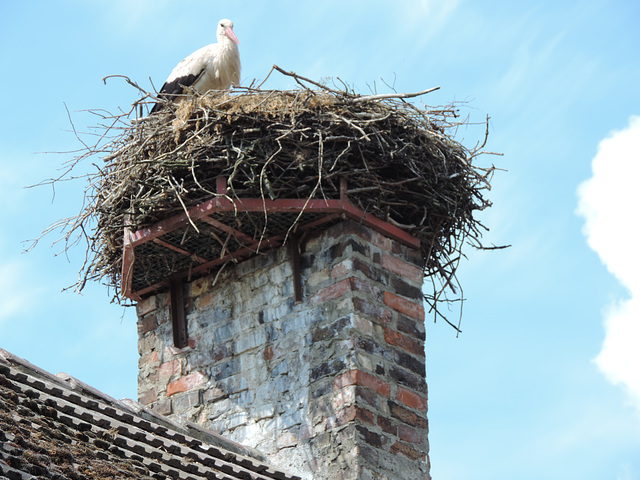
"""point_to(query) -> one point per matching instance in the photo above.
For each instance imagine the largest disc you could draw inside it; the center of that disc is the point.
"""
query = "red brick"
(345, 285)
(407, 451)
(406, 416)
(403, 305)
(381, 241)
(147, 397)
(169, 369)
(365, 415)
(409, 344)
(411, 399)
(342, 268)
(363, 379)
(185, 383)
(149, 359)
(332, 291)
(365, 268)
(411, 435)
(207, 299)
(402, 268)
(146, 306)
(387, 425)
(146, 324)
(346, 379)
(267, 353)
(212, 394)
(351, 413)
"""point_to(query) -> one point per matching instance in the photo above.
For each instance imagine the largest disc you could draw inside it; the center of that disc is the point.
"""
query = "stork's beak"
(229, 32)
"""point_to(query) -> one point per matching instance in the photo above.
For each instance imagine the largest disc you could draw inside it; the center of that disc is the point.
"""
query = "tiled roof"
(53, 426)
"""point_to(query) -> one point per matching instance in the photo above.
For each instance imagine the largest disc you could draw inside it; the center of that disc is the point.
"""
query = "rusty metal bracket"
(188, 256)
(294, 249)
(178, 318)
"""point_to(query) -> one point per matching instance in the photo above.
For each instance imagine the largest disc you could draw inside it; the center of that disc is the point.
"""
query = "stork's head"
(225, 29)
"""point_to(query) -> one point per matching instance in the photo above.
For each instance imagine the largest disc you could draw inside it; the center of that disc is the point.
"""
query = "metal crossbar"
(211, 233)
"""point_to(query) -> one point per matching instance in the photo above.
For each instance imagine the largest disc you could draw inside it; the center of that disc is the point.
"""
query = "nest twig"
(401, 162)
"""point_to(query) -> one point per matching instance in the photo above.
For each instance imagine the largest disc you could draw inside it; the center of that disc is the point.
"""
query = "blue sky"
(544, 381)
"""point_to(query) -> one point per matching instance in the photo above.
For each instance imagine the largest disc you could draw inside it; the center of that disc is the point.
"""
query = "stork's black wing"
(175, 86)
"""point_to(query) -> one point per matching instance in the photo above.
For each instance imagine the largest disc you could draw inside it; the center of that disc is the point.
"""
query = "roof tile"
(55, 426)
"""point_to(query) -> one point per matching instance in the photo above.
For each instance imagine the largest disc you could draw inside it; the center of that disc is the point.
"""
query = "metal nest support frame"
(221, 229)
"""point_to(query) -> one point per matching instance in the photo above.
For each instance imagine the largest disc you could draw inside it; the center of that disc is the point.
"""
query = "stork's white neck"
(227, 45)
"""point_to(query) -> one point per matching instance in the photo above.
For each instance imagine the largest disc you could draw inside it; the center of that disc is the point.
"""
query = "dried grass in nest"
(400, 162)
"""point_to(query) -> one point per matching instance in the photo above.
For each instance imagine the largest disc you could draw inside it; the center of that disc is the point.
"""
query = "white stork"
(214, 67)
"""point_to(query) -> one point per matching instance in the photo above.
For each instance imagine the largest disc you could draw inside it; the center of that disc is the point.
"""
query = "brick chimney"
(328, 381)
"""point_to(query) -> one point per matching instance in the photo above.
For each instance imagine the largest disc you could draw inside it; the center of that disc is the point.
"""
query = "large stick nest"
(400, 163)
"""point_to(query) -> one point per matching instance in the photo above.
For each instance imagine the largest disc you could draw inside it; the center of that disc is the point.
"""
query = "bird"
(212, 67)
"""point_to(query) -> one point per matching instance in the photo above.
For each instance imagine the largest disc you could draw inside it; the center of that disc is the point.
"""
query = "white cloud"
(610, 203)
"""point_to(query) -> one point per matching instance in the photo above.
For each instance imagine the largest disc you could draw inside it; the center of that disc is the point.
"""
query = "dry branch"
(400, 161)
